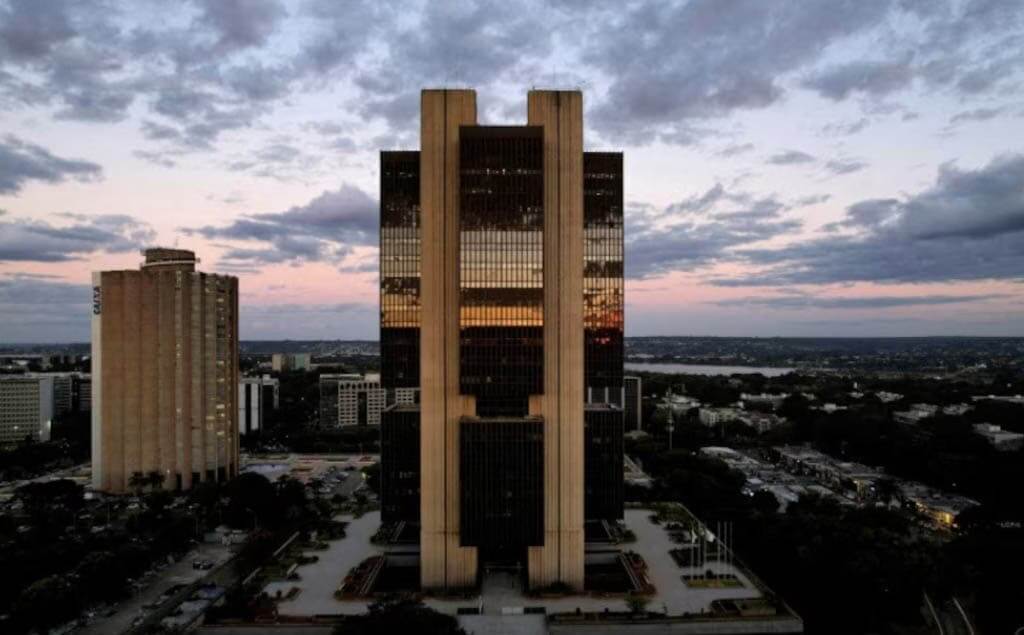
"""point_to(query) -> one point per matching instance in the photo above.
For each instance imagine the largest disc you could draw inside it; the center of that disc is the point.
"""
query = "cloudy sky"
(792, 168)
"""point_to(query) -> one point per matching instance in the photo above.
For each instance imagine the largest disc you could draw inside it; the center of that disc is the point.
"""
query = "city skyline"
(850, 171)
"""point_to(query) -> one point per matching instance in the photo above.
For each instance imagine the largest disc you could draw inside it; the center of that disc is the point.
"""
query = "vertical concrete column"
(167, 353)
(443, 562)
(561, 558)
(149, 377)
(98, 450)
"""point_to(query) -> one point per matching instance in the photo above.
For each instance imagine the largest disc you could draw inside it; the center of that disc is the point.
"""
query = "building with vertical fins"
(164, 373)
(502, 301)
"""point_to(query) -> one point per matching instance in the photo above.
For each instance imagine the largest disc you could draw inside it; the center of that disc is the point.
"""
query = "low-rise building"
(256, 397)
(762, 421)
(26, 408)
(940, 508)
(715, 416)
(956, 409)
(1017, 399)
(765, 399)
(916, 413)
(1002, 440)
(283, 362)
(888, 397)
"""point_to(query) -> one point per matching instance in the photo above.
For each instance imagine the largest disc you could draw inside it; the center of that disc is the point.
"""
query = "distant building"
(761, 421)
(831, 407)
(62, 389)
(81, 395)
(1017, 399)
(407, 396)
(284, 362)
(679, 404)
(941, 508)
(916, 413)
(26, 408)
(164, 373)
(71, 392)
(631, 407)
(888, 397)
(351, 400)
(956, 409)
(1002, 440)
(256, 396)
(764, 399)
(714, 416)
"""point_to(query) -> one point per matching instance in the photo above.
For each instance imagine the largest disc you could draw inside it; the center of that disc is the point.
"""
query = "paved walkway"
(501, 591)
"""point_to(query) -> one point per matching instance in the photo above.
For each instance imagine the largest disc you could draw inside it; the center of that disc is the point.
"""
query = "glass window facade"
(602, 272)
(501, 317)
(400, 269)
(501, 267)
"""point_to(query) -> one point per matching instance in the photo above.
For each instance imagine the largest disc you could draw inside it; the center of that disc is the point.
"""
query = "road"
(180, 572)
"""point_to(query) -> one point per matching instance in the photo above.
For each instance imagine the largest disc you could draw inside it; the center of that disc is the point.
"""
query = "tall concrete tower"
(495, 278)
(164, 373)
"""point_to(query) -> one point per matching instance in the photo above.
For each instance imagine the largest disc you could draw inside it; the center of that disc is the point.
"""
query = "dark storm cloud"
(804, 301)
(38, 241)
(968, 226)
(790, 157)
(700, 230)
(21, 162)
(325, 229)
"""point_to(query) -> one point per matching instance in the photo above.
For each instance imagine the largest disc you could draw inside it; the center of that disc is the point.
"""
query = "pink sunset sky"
(792, 168)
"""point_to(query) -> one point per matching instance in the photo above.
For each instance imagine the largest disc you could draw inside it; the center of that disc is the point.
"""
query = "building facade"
(26, 408)
(286, 362)
(351, 400)
(501, 299)
(632, 407)
(256, 397)
(164, 373)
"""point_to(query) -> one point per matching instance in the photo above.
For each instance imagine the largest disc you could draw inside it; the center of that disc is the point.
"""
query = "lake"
(706, 369)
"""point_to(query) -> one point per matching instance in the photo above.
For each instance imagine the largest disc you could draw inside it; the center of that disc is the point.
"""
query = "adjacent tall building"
(164, 373)
(501, 298)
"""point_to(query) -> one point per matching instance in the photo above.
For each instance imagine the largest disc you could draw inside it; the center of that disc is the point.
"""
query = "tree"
(765, 502)
(637, 603)
(400, 614)
(887, 489)
(138, 482)
(372, 473)
(46, 603)
(154, 479)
